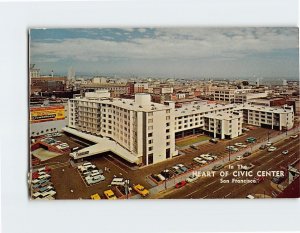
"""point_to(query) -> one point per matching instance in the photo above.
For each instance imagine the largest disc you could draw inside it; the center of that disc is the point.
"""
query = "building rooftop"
(143, 104)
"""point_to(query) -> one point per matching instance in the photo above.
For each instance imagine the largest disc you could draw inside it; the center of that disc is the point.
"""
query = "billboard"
(50, 113)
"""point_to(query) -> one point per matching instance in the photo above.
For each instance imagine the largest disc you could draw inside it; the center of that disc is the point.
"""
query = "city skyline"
(168, 52)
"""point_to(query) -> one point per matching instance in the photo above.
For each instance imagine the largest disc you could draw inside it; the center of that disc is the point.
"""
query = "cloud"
(168, 44)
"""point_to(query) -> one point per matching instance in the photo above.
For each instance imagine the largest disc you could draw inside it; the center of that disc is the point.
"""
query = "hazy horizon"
(193, 53)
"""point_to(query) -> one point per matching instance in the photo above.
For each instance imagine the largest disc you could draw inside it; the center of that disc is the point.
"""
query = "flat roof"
(128, 104)
(102, 145)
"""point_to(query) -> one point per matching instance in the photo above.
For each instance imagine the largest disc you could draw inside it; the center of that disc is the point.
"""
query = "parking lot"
(70, 185)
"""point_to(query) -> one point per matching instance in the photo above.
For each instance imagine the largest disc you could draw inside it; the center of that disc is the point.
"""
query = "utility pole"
(229, 149)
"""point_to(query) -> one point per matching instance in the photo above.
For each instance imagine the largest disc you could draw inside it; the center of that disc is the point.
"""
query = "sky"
(168, 52)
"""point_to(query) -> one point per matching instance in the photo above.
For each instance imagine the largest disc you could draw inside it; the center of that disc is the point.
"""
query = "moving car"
(246, 154)
(272, 148)
(239, 144)
(217, 167)
(141, 190)
(294, 136)
(232, 148)
(269, 144)
(180, 184)
(285, 152)
(239, 157)
(248, 167)
(191, 178)
(262, 147)
(109, 194)
(214, 140)
(251, 139)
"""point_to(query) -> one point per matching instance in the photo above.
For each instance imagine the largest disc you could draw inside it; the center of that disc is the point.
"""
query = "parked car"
(194, 147)
(239, 157)
(258, 179)
(192, 178)
(294, 136)
(285, 152)
(246, 154)
(182, 167)
(207, 157)
(161, 177)
(245, 129)
(250, 197)
(141, 190)
(109, 194)
(95, 196)
(95, 179)
(214, 140)
(272, 148)
(199, 160)
(180, 184)
(176, 170)
(118, 181)
(217, 167)
(166, 173)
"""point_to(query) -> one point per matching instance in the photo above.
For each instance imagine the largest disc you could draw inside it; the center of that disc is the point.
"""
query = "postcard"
(163, 113)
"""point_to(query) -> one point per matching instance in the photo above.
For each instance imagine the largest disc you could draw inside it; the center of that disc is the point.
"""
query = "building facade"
(148, 130)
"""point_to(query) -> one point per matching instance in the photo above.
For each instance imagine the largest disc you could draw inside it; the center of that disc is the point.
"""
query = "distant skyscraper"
(257, 82)
(71, 73)
(284, 82)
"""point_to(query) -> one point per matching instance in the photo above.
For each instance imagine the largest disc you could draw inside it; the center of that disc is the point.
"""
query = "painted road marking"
(228, 194)
(218, 189)
(210, 184)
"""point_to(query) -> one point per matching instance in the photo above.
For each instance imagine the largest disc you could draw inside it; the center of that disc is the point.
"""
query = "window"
(168, 137)
(168, 131)
(150, 127)
(150, 158)
(150, 148)
(150, 134)
(167, 118)
(150, 120)
(168, 124)
(168, 154)
(150, 141)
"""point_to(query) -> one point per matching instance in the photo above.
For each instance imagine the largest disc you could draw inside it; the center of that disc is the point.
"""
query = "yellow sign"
(42, 114)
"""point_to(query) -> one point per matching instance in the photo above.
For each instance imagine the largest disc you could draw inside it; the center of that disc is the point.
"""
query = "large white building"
(144, 128)
(147, 130)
